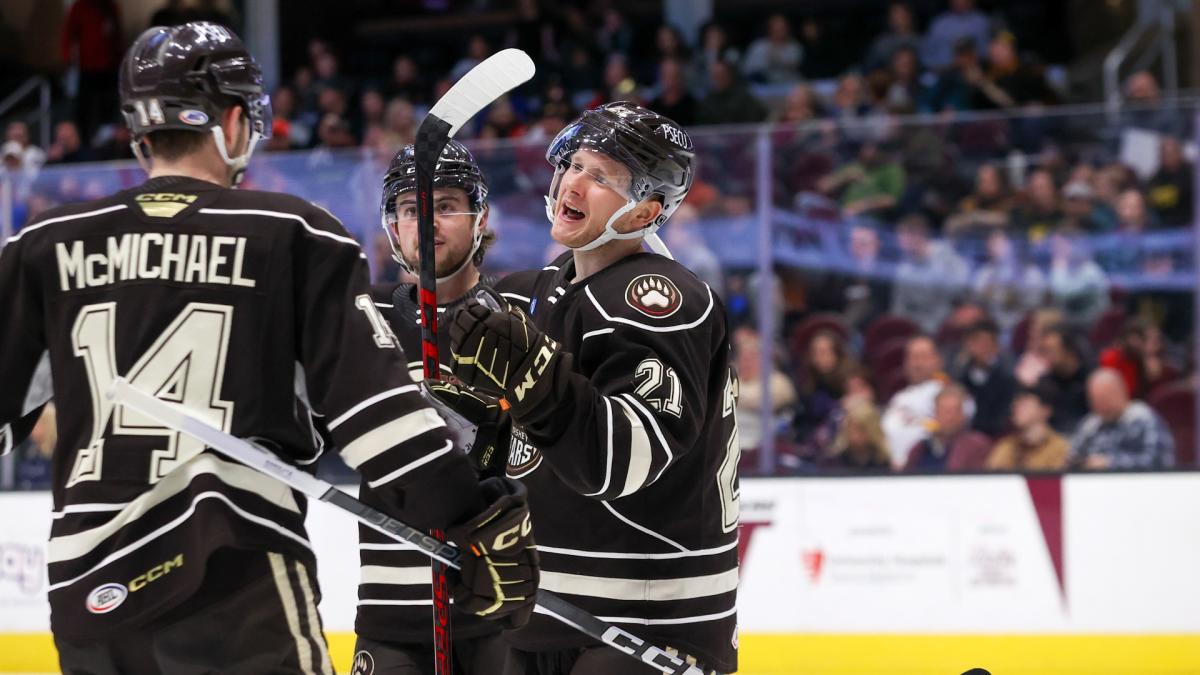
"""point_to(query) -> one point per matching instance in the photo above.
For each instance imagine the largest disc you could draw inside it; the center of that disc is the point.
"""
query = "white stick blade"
(485, 83)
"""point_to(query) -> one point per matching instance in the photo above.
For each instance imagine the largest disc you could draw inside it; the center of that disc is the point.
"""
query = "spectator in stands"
(826, 54)
(669, 44)
(1032, 363)
(962, 21)
(820, 440)
(1033, 445)
(1065, 380)
(1040, 209)
(1144, 108)
(1119, 433)
(32, 157)
(860, 290)
(901, 34)
(931, 277)
(92, 44)
(1014, 83)
(502, 121)
(477, 50)
(1077, 285)
(985, 372)
(1171, 189)
(686, 241)
(774, 58)
(957, 88)
(615, 35)
(728, 100)
(400, 122)
(748, 361)
(1128, 355)
(67, 147)
(871, 185)
(327, 75)
(906, 419)
(618, 82)
(986, 208)
(714, 46)
(825, 368)
(334, 132)
(801, 105)
(1008, 286)
(952, 445)
(1132, 215)
(904, 87)
(850, 101)
(1079, 208)
(371, 107)
(406, 82)
(673, 99)
(860, 443)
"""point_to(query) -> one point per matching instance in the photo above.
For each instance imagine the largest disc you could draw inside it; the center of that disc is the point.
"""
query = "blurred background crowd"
(940, 250)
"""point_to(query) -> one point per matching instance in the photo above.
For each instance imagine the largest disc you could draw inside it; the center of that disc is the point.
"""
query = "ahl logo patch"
(654, 295)
(193, 117)
(105, 598)
(364, 663)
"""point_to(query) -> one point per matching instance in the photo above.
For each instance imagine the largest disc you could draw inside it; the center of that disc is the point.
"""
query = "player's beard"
(453, 261)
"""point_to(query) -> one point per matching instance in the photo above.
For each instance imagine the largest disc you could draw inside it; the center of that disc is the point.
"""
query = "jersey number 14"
(184, 365)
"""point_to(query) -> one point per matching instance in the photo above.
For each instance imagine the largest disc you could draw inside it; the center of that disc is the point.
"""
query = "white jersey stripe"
(643, 326)
(514, 296)
(60, 219)
(387, 436)
(637, 556)
(608, 418)
(286, 216)
(649, 416)
(654, 590)
(71, 546)
(363, 405)
(669, 622)
(405, 576)
(398, 603)
(288, 599)
(87, 508)
(640, 454)
(640, 528)
(412, 465)
(121, 553)
(314, 620)
(599, 331)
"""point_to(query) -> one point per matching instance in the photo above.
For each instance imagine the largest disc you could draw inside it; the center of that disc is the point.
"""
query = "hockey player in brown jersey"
(615, 368)
(251, 310)
(394, 591)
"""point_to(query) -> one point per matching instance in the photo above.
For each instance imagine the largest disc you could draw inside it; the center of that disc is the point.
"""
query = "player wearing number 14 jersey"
(252, 311)
(617, 376)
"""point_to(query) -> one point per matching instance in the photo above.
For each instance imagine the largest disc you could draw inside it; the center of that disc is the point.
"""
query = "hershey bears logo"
(523, 456)
(654, 295)
(364, 664)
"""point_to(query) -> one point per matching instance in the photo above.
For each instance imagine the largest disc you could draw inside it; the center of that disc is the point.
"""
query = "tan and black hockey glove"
(499, 575)
(480, 424)
(502, 353)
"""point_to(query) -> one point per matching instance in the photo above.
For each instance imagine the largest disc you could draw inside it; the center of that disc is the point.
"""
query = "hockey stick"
(483, 84)
(263, 461)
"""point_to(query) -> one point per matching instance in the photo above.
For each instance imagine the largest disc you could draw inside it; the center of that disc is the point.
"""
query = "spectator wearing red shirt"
(91, 41)
(1127, 356)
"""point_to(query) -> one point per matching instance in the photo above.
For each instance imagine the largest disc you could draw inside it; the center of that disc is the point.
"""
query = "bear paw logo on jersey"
(654, 295)
(364, 663)
(106, 597)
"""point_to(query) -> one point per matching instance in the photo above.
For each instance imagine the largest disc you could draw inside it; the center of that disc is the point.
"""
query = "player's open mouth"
(570, 213)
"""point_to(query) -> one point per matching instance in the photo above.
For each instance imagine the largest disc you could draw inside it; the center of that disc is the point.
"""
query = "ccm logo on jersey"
(654, 295)
(107, 597)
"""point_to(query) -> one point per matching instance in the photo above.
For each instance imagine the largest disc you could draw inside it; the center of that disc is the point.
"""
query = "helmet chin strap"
(237, 164)
(610, 233)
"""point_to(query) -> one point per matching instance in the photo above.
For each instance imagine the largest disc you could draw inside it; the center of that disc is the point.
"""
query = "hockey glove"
(480, 425)
(499, 575)
(503, 354)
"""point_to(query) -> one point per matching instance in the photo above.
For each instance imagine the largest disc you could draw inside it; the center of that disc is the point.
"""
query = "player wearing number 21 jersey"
(616, 371)
(250, 310)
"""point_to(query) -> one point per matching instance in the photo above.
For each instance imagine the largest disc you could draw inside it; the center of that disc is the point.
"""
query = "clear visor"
(405, 212)
(571, 169)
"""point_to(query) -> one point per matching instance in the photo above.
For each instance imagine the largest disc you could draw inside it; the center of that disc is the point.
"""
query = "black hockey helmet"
(656, 150)
(184, 77)
(455, 168)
